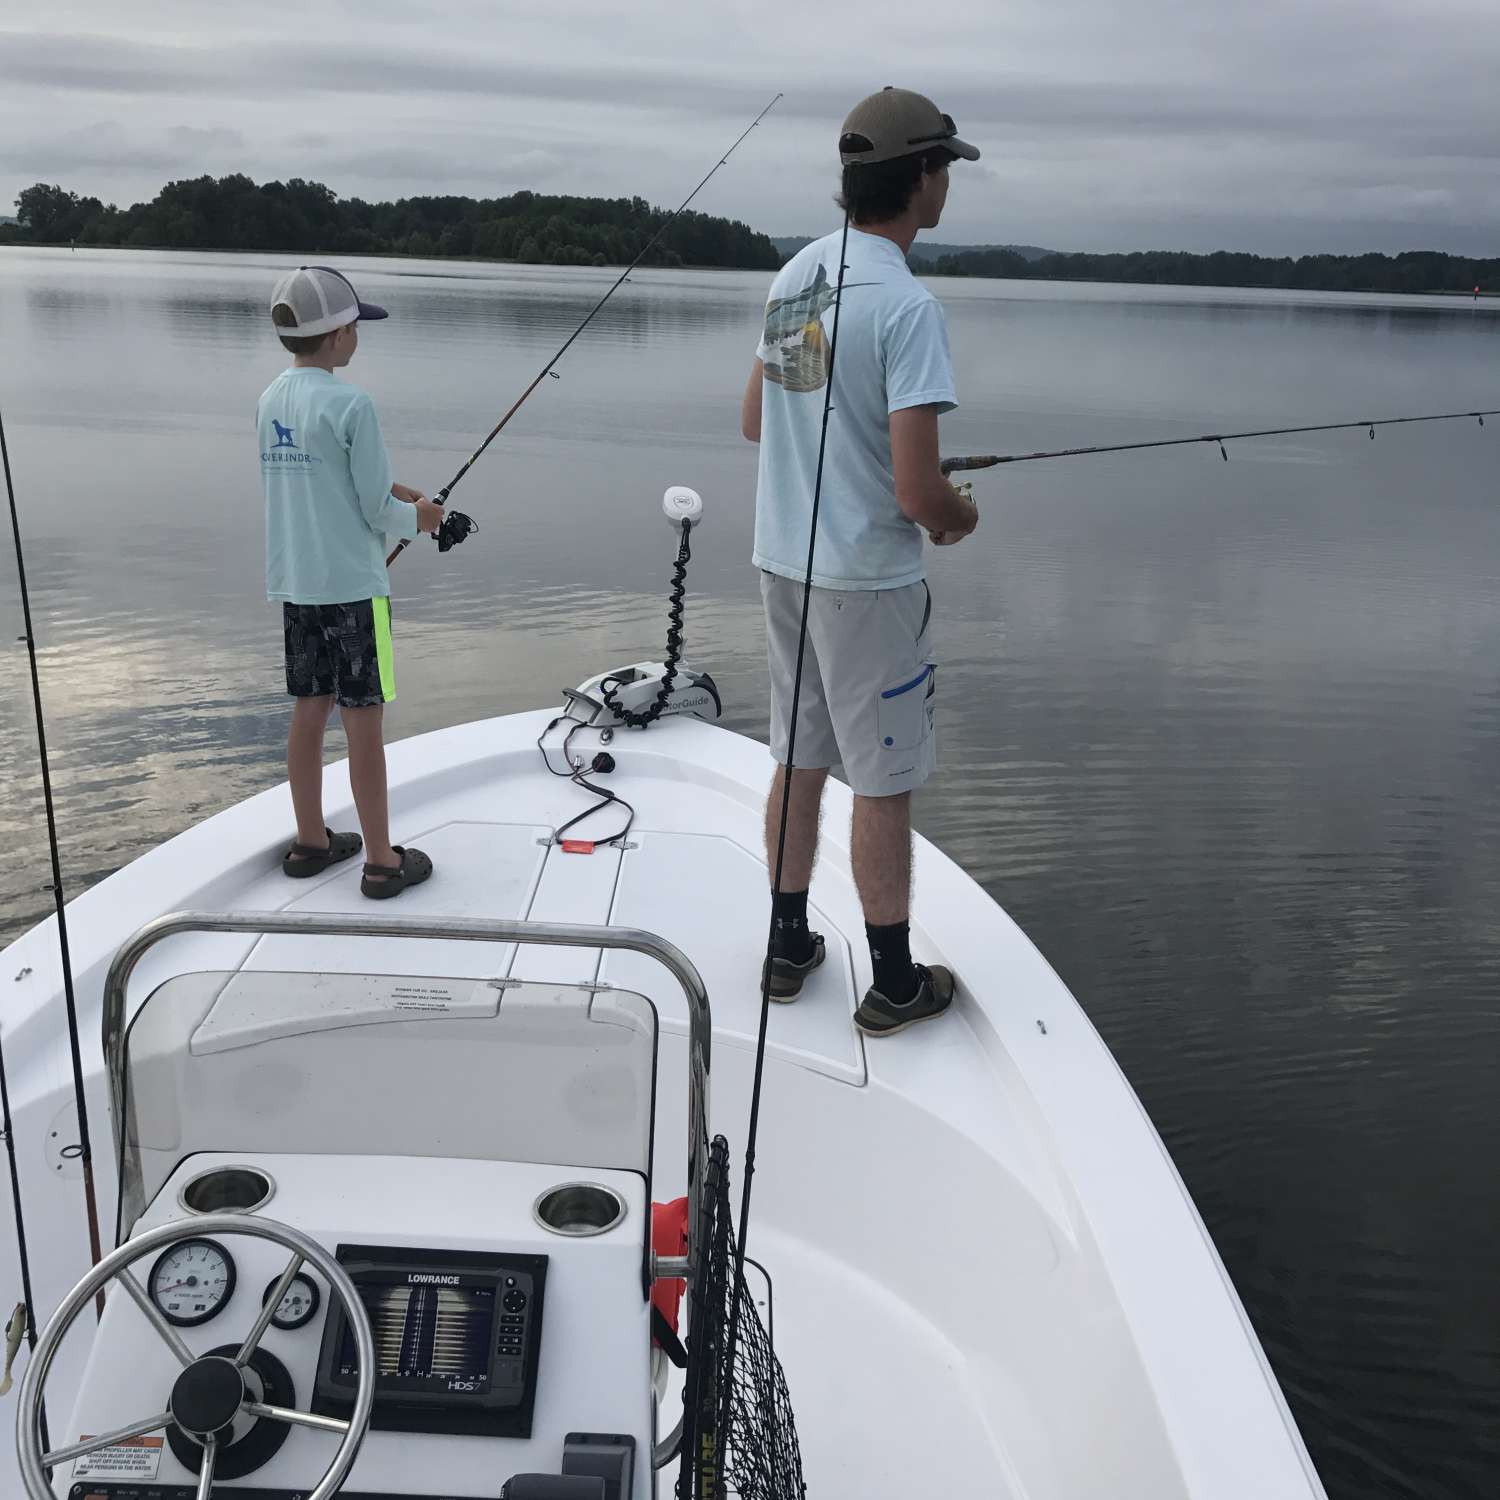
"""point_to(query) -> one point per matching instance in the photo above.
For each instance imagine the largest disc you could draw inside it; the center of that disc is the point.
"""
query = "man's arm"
(922, 492)
(750, 406)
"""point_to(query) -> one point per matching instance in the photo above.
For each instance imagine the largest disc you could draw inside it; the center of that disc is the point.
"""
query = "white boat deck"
(988, 1277)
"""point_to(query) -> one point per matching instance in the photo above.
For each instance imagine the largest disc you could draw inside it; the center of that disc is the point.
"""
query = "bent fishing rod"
(456, 526)
(989, 460)
(85, 1151)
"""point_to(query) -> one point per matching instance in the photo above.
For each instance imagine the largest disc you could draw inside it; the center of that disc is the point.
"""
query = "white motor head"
(681, 504)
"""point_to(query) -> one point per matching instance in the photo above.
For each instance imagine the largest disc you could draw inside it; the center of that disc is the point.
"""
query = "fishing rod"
(753, 1130)
(26, 1309)
(989, 460)
(451, 536)
(85, 1151)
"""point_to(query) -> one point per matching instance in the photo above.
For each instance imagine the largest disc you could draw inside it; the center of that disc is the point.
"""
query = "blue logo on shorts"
(283, 435)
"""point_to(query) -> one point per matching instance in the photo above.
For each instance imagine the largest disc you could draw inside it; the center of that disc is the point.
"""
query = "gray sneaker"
(786, 977)
(878, 1016)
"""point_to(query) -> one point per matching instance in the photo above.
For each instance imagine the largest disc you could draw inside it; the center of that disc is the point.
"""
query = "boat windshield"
(380, 1065)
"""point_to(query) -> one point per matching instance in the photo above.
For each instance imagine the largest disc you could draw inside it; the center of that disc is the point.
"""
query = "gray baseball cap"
(896, 122)
(319, 299)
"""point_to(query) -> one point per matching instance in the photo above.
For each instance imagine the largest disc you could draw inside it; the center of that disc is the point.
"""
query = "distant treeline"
(1411, 271)
(234, 213)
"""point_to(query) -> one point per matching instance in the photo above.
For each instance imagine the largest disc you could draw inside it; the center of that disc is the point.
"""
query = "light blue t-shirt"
(892, 354)
(329, 508)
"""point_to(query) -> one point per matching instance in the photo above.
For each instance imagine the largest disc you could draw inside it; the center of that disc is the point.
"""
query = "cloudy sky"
(1280, 126)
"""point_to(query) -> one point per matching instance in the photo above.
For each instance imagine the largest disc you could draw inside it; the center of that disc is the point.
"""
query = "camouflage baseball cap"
(897, 122)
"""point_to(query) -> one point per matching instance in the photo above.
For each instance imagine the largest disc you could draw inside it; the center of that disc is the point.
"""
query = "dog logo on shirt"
(283, 435)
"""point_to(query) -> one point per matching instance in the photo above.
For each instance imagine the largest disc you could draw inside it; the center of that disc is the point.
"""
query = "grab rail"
(465, 929)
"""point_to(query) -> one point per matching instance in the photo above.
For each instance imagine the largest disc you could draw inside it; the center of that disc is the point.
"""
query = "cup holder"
(227, 1190)
(579, 1208)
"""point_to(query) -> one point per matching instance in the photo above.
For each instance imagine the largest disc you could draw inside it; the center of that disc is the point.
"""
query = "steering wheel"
(210, 1392)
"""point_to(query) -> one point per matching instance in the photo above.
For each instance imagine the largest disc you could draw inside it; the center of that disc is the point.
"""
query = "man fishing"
(868, 678)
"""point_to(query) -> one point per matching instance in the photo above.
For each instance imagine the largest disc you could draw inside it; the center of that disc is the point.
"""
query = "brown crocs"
(302, 860)
(381, 882)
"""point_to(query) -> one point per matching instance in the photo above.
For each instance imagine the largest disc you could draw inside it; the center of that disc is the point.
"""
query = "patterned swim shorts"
(343, 650)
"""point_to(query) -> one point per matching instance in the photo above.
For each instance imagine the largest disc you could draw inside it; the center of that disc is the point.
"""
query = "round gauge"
(298, 1305)
(191, 1281)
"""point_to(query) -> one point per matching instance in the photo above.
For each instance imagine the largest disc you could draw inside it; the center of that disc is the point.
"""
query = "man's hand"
(429, 514)
(407, 493)
(951, 534)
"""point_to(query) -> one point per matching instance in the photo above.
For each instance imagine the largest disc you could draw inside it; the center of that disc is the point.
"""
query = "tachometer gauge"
(298, 1305)
(191, 1281)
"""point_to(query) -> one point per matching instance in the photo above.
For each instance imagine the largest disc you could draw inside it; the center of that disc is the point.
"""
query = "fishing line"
(86, 1155)
(989, 460)
(786, 802)
(441, 498)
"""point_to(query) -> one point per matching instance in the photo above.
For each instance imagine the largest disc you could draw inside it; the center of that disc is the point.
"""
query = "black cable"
(609, 686)
(989, 460)
(86, 1155)
(578, 775)
(786, 802)
(546, 370)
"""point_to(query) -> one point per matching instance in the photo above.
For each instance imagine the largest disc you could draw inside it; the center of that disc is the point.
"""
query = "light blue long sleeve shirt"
(330, 513)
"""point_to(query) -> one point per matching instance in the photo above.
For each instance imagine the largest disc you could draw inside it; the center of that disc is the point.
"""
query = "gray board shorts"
(869, 683)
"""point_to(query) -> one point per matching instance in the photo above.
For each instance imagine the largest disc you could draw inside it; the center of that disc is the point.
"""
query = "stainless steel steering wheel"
(210, 1392)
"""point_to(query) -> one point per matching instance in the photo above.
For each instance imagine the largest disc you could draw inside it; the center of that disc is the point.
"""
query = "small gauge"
(298, 1305)
(191, 1281)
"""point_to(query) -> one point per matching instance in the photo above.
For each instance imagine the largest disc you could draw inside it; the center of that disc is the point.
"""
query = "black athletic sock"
(890, 951)
(792, 939)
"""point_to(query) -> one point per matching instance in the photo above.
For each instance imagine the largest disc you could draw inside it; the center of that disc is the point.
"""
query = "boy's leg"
(364, 731)
(304, 768)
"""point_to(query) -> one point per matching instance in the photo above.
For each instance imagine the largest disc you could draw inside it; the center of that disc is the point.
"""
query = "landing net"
(738, 1433)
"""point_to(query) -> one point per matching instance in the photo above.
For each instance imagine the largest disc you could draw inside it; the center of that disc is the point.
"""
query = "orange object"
(669, 1236)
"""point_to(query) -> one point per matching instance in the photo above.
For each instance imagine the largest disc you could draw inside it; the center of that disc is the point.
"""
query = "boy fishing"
(331, 505)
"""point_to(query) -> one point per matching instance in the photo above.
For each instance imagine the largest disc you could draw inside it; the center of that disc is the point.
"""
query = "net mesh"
(738, 1433)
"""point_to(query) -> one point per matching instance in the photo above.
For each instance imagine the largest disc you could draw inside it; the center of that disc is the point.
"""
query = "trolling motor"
(638, 695)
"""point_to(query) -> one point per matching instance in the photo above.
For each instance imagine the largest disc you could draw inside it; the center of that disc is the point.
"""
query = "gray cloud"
(1279, 125)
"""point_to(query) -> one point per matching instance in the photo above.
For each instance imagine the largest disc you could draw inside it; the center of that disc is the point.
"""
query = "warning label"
(135, 1458)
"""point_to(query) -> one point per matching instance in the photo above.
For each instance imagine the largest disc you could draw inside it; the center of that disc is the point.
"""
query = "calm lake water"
(1224, 738)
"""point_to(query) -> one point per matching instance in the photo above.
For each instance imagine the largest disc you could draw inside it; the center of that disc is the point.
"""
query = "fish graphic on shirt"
(794, 330)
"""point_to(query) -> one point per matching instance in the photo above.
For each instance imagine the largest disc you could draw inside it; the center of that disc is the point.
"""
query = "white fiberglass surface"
(385, 1065)
(944, 1332)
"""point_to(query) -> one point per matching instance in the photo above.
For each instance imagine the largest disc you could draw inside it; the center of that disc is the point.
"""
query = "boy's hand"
(429, 514)
(407, 493)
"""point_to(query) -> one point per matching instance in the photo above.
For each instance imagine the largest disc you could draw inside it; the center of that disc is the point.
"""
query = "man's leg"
(880, 851)
(876, 652)
(801, 826)
(304, 767)
(795, 950)
(363, 729)
(793, 945)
